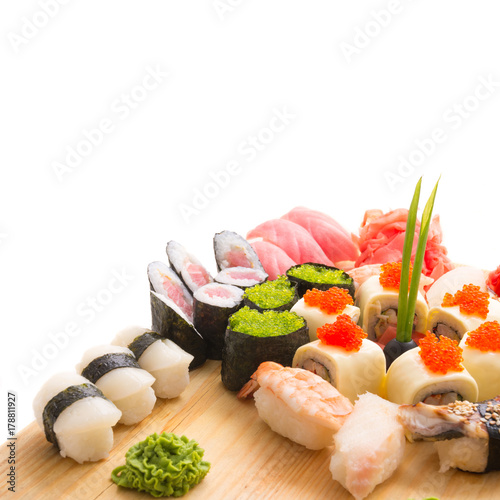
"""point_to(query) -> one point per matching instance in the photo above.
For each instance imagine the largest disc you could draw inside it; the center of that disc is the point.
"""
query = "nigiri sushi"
(297, 404)
(76, 417)
(369, 446)
(466, 434)
(115, 371)
(162, 358)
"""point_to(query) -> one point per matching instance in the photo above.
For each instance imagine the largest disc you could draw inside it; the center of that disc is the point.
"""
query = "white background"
(63, 237)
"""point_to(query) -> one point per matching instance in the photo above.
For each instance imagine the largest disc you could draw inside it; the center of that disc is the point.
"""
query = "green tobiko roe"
(265, 324)
(315, 273)
(162, 465)
(271, 294)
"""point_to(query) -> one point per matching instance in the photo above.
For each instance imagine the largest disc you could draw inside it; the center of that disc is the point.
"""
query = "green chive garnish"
(407, 300)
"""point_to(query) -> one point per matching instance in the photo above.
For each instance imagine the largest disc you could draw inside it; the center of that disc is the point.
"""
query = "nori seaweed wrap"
(253, 337)
(320, 276)
(232, 250)
(213, 305)
(275, 295)
(170, 322)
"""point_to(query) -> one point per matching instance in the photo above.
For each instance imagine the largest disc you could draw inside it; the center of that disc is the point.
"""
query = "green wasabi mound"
(265, 324)
(316, 273)
(162, 465)
(271, 294)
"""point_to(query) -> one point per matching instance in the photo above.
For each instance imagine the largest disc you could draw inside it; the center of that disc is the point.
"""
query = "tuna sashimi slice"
(275, 260)
(333, 239)
(293, 239)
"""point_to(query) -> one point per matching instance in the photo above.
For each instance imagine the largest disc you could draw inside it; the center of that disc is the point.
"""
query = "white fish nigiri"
(369, 446)
(297, 404)
(162, 358)
(75, 417)
(115, 371)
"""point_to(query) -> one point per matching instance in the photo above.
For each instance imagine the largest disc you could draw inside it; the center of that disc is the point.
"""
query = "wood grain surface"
(249, 461)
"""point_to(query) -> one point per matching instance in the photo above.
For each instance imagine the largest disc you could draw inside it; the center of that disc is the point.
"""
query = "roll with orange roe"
(432, 373)
(343, 356)
(481, 353)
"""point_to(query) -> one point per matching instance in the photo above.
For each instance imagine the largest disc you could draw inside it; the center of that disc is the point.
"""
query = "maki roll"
(344, 358)
(279, 295)
(164, 281)
(253, 337)
(162, 358)
(115, 371)
(170, 321)
(319, 307)
(466, 435)
(462, 311)
(213, 304)
(232, 250)
(241, 276)
(322, 277)
(432, 373)
(377, 299)
(187, 266)
(481, 353)
(76, 417)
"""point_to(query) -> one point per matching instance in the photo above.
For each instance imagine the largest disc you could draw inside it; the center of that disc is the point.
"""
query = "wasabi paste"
(162, 465)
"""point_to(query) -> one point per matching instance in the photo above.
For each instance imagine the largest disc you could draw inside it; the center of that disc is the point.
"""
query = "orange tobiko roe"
(390, 275)
(486, 337)
(331, 301)
(343, 333)
(470, 300)
(440, 355)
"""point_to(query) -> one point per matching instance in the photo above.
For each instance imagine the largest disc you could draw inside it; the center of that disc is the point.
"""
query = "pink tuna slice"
(273, 258)
(333, 239)
(220, 291)
(198, 274)
(300, 246)
(176, 295)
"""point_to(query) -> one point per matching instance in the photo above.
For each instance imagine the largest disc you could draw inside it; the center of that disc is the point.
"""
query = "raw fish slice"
(293, 239)
(275, 260)
(369, 446)
(297, 404)
(333, 239)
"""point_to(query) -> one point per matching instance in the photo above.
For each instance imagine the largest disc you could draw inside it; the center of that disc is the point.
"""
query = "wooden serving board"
(248, 460)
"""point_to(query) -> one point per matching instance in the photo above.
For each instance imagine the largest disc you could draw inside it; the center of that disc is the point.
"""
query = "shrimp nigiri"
(297, 404)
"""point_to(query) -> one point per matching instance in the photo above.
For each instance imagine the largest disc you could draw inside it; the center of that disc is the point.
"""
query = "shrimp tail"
(247, 391)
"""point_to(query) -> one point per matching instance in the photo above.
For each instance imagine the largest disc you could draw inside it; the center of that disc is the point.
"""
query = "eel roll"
(169, 320)
(232, 250)
(351, 369)
(432, 373)
(115, 371)
(279, 294)
(187, 266)
(76, 417)
(162, 358)
(320, 307)
(241, 276)
(463, 311)
(164, 281)
(378, 305)
(253, 337)
(481, 353)
(213, 304)
(466, 435)
(320, 276)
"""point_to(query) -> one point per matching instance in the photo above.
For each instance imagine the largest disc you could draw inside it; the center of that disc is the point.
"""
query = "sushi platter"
(278, 379)
(248, 460)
